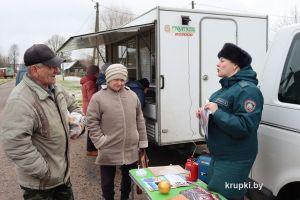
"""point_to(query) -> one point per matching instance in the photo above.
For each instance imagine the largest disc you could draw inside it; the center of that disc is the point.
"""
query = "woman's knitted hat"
(235, 54)
(116, 71)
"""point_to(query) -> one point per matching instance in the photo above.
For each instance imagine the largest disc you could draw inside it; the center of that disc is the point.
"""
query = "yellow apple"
(164, 187)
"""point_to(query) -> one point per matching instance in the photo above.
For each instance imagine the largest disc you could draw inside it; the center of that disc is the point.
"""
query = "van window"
(137, 54)
(126, 54)
(289, 90)
(131, 60)
(146, 56)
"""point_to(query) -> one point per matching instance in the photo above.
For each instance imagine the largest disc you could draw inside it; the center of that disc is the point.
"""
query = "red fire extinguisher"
(192, 167)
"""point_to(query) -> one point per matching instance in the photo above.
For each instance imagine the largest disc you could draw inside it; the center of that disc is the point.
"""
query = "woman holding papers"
(232, 128)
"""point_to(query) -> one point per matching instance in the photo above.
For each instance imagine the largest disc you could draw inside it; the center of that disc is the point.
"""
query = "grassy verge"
(2, 81)
(74, 87)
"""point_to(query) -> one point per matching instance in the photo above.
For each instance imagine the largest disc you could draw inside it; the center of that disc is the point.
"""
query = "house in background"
(75, 68)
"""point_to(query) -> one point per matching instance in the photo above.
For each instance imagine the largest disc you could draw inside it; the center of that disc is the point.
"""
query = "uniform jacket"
(136, 87)
(117, 127)
(34, 137)
(88, 88)
(232, 129)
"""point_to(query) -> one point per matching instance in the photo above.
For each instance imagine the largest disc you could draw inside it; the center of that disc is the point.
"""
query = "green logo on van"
(180, 30)
(183, 29)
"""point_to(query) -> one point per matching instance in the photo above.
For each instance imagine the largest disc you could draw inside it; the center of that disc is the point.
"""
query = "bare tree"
(4, 61)
(110, 18)
(13, 55)
(55, 42)
(114, 17)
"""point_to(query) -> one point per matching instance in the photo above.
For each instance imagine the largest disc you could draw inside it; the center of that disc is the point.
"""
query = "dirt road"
(5, 90)
(85, 175)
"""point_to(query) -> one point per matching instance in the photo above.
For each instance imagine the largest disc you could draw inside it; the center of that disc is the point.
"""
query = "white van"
(176, 49)
(277, 165)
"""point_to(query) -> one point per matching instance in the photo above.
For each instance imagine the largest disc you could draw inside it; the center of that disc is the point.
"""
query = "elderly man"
(117, 128)
(35, 129)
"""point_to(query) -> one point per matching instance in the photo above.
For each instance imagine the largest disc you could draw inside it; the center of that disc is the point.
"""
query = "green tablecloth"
(155, 195)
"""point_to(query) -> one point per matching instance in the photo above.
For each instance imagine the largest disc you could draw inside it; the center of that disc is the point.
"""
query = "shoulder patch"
(222, 101)
(249, 105)
(243, 83)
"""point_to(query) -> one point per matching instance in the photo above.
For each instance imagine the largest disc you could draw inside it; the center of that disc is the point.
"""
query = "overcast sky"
(25, 22)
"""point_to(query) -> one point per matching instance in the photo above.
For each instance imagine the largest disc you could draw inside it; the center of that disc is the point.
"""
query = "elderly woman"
(117, 128)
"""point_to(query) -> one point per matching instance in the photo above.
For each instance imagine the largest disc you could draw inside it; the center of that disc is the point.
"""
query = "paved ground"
(8, 185)
(4, 92)
(84, 173)
(85, 176)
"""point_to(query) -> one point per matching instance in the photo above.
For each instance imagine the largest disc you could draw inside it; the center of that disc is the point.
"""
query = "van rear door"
(214, 33)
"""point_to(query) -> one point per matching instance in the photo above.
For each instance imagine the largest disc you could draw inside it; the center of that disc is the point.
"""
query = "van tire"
(289, 191)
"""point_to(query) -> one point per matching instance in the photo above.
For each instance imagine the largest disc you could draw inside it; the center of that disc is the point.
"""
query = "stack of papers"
(204, 113)
(175, 180)
(164, 170)
(152, 183)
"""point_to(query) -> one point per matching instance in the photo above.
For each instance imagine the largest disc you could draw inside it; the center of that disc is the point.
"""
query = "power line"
(85, 21)
(92, 13)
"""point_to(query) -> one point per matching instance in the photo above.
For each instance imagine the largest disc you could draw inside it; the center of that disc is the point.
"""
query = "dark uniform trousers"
(61, 192)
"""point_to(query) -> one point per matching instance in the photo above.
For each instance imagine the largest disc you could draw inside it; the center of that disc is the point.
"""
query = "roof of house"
(68, 65)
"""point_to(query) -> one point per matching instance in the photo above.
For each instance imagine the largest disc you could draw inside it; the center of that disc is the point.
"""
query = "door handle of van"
(162, 80)
(205, 77)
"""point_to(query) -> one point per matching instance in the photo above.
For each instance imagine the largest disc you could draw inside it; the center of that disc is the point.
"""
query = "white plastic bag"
(76, 123)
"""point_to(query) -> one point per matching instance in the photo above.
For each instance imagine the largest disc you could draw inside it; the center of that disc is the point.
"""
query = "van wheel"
(289, 191)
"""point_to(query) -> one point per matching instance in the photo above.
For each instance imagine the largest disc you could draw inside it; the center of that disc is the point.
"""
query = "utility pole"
(193, 4)
(62, 67)
(95, 53)
(15, 62)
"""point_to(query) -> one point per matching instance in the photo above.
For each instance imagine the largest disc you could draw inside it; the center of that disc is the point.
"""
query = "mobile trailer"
(176, 49)
(7, 72)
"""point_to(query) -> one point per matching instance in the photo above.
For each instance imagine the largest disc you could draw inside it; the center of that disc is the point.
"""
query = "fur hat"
(235, 54)
(116, 71)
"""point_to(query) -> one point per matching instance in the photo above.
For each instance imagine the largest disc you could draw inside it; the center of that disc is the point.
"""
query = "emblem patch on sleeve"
(249, 105)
